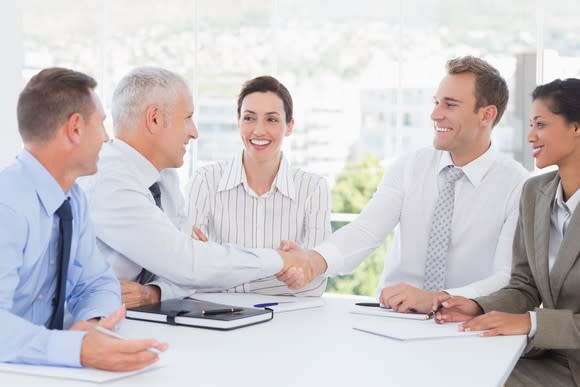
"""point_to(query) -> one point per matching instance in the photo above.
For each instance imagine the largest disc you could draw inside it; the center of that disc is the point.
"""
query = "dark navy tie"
(145, 276)
(64, 241)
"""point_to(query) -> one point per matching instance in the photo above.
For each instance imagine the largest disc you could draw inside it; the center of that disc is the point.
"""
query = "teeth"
(260, 142)
(442, 129)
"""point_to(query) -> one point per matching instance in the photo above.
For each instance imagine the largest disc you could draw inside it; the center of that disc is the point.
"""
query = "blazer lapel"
(567, 255)
(542, 236)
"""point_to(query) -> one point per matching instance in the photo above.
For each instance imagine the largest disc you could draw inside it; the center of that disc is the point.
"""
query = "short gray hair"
(142, 87)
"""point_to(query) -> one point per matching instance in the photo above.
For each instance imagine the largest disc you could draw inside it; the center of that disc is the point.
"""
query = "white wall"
(10, 79)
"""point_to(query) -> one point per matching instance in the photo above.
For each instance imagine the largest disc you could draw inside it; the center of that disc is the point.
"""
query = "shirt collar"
(476, 169)
(237, 176)
(148, 174)
(47, 188)
(572, 202)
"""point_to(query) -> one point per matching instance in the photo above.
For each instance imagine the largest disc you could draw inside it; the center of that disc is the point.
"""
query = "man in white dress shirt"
(469, 102)
(137, 207)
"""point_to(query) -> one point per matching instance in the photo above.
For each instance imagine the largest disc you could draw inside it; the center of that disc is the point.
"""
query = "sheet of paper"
(82, 374)
(401, 329)
(385, 312)
(250, 300)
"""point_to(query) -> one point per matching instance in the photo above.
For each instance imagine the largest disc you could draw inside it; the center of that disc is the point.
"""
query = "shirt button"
(40, 297)
(52, 261)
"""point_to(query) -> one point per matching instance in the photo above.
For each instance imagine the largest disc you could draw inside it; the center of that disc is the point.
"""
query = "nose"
(532, 134)
(436, 114)
(192, 132)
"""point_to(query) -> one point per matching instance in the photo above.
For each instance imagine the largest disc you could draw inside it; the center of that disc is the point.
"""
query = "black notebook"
(200, 314)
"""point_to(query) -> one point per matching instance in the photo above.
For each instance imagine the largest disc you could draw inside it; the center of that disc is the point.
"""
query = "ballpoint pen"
(110, 333)
(215, 312)
(370, 304)
(432, 313)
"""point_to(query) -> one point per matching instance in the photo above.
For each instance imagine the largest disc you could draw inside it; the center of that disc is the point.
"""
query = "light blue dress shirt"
(29, 197)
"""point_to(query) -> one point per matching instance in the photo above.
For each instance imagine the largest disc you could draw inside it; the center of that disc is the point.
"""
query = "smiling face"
(263, 126)
(177, 131)
(554, 140)
(458, 127)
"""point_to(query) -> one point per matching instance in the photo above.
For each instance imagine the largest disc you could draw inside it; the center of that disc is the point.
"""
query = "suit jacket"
(532, 284)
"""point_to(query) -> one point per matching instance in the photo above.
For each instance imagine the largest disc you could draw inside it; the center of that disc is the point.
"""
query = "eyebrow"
(252, 112)
(536, 117)
(448, 99)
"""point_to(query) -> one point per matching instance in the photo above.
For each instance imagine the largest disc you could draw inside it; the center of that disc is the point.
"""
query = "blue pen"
(266, 304)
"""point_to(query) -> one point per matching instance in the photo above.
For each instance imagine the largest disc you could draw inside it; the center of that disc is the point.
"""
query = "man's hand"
(135, 294)
(499, 323)
(455, 309)
(108, 353)
(198, 234)
(406, 298)
(110, 322)
(300, 266)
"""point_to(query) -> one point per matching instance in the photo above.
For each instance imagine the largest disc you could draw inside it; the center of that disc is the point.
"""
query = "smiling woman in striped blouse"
(257, 199)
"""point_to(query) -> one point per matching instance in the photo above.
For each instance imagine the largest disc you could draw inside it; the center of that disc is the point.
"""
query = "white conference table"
(315, 347)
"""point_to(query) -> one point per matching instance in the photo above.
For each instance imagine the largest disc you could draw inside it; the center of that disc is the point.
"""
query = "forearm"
(24, 342)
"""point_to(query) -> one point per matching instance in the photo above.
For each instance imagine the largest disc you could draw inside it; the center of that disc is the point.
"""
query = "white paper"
(83, 374)
(249, 300)
(386, 312)
(400, 329)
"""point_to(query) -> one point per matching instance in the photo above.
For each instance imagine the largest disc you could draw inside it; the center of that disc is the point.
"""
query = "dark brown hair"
(490, 87)
(562, 98)
(49, 99)
(264, 84)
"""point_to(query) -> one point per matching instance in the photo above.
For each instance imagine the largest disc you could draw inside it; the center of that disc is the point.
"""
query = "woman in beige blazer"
(542, 299)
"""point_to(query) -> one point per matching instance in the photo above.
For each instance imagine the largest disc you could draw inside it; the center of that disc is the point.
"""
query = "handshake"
(300, 266)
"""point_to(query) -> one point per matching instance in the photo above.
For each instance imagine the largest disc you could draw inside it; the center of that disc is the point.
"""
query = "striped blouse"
(296, 208)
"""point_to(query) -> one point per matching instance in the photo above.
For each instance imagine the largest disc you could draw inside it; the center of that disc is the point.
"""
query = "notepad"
(386, 312)
(200, 314)
(248, 300)
(82, 374)
(400, 329)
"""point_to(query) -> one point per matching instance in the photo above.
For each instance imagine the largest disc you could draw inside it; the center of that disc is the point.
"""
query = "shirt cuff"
(64, 347)
(169, 290)
(533, 324)
(332, 256)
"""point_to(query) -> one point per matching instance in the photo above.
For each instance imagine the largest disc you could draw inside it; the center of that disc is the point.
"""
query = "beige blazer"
(531, 283)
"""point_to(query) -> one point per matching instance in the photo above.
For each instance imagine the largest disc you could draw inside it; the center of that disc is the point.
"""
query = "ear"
(289, 128)
(488, 115)
(74, 127)
(153, 118)
(576, 129)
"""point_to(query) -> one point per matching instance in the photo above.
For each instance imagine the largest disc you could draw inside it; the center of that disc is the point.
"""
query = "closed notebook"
(202, 314)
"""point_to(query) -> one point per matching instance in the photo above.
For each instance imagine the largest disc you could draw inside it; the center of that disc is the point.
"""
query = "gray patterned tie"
(440, 234)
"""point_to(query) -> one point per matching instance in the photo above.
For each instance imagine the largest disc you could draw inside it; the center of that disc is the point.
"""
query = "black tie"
(64, 241)
(145, 276)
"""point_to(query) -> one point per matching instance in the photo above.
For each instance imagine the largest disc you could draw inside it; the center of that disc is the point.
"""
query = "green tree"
(354, 187)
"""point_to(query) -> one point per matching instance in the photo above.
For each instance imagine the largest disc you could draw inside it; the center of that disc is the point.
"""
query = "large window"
(362, 73)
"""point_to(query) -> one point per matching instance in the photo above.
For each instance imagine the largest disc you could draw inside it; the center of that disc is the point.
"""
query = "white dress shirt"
(133, 233)
(559, 219)
(297, 208)
(482, 230)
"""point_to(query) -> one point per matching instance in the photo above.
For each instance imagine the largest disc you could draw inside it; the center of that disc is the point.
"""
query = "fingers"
(103, 352)
(293, 277)
(198, 234)
(111, 321)
(286, 245)
(439, 299)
